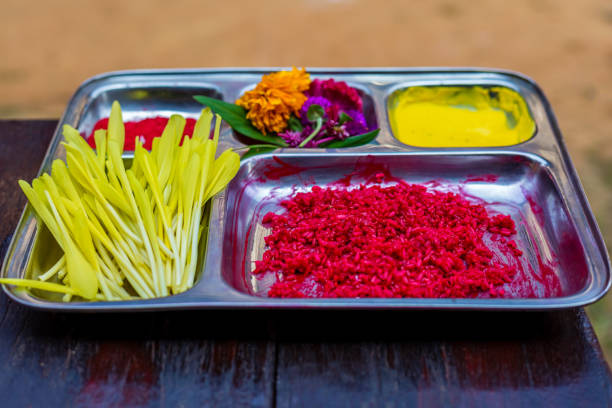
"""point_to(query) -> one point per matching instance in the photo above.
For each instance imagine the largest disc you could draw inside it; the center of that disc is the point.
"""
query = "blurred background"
(49, 48)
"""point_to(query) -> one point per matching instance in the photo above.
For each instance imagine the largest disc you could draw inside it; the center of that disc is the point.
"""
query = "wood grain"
(282, 358)
(441, 359)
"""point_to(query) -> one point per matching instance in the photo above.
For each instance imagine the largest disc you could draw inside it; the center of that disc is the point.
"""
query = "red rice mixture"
(397, 241)
(146, 129)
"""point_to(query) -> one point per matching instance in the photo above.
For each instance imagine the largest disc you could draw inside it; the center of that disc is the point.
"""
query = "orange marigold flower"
(275, 98)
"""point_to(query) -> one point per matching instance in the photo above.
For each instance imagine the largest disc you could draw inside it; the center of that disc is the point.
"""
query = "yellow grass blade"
(31, 283)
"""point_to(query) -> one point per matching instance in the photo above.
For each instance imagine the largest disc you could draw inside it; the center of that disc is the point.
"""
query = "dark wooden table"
(282, 358)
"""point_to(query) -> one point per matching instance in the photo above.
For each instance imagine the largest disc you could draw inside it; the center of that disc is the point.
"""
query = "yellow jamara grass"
(275, 98)
(132, 232)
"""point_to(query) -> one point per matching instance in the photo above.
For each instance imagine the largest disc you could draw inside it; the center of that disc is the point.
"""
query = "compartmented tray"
(535, 183)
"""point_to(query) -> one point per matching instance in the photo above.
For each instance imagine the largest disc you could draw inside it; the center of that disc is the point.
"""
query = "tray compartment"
(145, 101)
(516, 184)
(43, 252)
(369, 112)
(460, 103)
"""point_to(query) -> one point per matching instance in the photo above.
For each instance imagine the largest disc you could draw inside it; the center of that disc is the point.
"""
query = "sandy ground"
(49, 48)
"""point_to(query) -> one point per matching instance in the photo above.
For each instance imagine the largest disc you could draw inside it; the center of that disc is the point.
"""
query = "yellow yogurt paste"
(456, 116)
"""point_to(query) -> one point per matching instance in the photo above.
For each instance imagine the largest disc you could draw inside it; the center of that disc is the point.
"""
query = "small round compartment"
(459, 116)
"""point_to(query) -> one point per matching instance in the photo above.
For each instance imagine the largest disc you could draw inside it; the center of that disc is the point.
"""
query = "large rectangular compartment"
(535, 183)
(515, 184)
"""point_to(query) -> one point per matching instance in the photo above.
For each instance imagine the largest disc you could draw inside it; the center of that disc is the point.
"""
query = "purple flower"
(292, 138)
(358, 125)
(313, 100)
(335, 130)
(332, 120)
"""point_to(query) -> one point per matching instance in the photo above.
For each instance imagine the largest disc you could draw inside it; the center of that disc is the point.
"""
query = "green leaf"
(294, 124)
(235, 116)
(257, 150)
(255, 146)
(344, 118)
(315, 112)
(353, 141)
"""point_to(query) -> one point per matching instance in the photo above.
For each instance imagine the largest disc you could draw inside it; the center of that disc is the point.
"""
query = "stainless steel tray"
(536, 184)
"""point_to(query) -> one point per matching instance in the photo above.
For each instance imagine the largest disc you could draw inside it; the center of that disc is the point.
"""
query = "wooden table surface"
(282, 358)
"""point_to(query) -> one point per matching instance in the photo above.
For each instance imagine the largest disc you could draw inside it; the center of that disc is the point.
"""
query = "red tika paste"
(146, 129)
(397, 241)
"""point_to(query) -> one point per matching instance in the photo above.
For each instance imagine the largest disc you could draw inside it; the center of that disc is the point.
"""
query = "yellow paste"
(456, 116)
